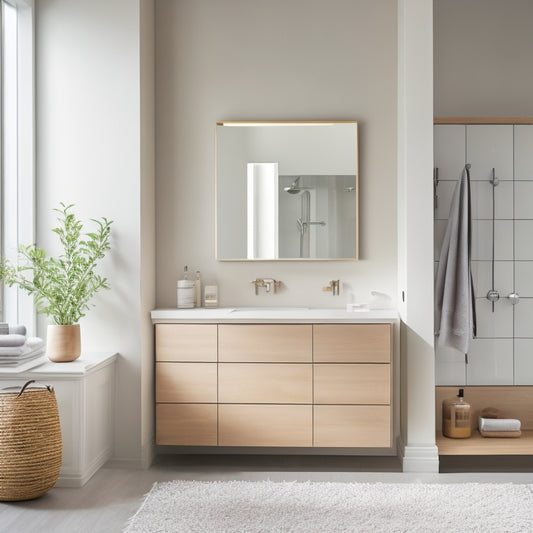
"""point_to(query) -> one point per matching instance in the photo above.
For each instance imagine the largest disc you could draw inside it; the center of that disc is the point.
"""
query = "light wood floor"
(106, 502)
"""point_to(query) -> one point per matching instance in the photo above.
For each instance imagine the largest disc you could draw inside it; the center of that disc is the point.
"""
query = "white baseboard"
(419, 458)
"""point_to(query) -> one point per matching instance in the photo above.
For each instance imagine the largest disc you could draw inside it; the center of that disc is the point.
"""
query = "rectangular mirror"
(286, 191)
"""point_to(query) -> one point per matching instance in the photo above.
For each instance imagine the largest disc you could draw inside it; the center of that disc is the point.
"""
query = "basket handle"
(49, 387)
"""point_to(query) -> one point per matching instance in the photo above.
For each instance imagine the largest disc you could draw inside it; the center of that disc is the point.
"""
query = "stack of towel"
(499, 427)
(16, 348)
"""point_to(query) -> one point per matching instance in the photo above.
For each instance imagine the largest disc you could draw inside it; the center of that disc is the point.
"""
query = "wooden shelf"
(478, 445)
(483, 120)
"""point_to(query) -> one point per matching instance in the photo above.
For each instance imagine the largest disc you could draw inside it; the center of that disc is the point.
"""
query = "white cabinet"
(85, 391)
(498, 356)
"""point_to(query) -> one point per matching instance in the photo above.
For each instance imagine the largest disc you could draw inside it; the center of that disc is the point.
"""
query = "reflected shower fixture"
(493, 295)
(293, 188)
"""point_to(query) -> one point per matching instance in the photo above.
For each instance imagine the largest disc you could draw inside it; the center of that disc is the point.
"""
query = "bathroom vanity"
(252, 377)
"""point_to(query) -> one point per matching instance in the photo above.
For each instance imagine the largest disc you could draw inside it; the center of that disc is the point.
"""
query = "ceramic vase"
(63, 343)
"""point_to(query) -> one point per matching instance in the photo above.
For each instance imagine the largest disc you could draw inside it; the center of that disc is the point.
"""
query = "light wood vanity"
(323, 385)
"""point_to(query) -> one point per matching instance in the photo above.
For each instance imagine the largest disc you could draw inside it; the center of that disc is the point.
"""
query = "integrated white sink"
(269, 311)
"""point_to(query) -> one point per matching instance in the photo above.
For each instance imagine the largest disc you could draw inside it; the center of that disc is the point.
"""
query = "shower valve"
(514, 298)
(493, 295)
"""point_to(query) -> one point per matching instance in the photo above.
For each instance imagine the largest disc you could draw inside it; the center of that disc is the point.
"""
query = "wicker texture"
(30, 444)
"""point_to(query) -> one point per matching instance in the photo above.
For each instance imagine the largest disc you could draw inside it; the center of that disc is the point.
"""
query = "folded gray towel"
(6, 329)
(12, 339)
(499, 424)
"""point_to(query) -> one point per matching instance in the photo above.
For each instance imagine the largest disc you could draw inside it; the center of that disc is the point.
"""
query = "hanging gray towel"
(455, 311)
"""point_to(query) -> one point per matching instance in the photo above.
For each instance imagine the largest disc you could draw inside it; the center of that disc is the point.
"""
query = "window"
(17, 148)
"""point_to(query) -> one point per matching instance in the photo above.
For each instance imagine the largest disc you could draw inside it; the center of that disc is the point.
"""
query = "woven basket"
(30, 443)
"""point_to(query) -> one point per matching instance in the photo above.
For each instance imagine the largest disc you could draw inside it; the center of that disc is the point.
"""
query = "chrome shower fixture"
(293, 188)
(493, 295)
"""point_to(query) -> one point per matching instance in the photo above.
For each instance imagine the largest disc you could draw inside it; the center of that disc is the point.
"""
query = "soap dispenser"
(185, 291)
(456, 417)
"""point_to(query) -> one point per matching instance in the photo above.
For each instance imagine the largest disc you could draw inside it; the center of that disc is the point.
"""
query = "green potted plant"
(62, 287)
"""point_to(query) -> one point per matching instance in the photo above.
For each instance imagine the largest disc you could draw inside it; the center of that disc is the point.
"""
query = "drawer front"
(291, 343)
(265, 383)
(186, 342)
(352, 343)
(265, 425)
(363, 426)
(186, 425)
(351, 384)
(186, 382)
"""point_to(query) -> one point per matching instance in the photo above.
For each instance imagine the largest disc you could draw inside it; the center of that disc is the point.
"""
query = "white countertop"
(258, 315)
(85, 364)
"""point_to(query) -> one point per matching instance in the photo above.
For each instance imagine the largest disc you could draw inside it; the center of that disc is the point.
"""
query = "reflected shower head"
(293, 188)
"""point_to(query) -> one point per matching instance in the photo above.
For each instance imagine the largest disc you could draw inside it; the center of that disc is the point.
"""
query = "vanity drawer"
(291, 343)
(186, 382)
(351, 384)
(186, 342)
(352, 343)
(265, 425)
(186, 424)
(265, 383)
(364, 426)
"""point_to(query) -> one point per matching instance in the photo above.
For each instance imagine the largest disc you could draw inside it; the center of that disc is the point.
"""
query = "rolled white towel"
(499, 424)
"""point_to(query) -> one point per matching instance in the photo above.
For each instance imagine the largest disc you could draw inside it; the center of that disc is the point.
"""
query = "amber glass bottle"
(456, 417)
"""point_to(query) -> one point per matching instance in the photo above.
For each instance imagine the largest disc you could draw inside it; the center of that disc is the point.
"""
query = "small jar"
(185, 293)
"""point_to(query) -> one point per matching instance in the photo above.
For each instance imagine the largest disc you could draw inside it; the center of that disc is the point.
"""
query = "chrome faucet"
(333, 286)
(270, 285)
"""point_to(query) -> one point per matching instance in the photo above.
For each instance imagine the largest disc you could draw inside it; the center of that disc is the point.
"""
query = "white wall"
(483, 58)
(415, 233)
(255, 60)
(90, 152)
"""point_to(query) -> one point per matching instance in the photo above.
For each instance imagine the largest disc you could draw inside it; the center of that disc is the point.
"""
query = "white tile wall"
(450, 150)
(482, 240)
(490, 362)
(489, 147)
(523, 361)
(523, 152)
(523, 200)
(523, 272)
(502, 353)
(482, 277)
(481, 199)
(494, 324)
(523, 318)
(444, 198)
(523, 237)
(450, 366)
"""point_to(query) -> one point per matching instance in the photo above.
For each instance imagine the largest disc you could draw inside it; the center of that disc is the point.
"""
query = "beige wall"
(483, 51)
(251, 59)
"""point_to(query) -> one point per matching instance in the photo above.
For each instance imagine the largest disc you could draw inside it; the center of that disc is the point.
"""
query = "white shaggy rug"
(270, 507)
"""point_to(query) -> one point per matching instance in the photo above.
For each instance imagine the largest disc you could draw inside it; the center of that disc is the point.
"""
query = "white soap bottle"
(198, 290)
(185, 291)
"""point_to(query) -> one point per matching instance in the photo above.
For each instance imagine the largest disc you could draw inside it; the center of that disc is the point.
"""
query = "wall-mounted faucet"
(333, 286)
(269, 284)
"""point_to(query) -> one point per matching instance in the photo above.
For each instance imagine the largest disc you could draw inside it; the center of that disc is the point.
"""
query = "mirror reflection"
(286, 191)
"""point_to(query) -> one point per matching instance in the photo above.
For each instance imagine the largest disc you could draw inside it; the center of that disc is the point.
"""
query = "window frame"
(18, 199)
